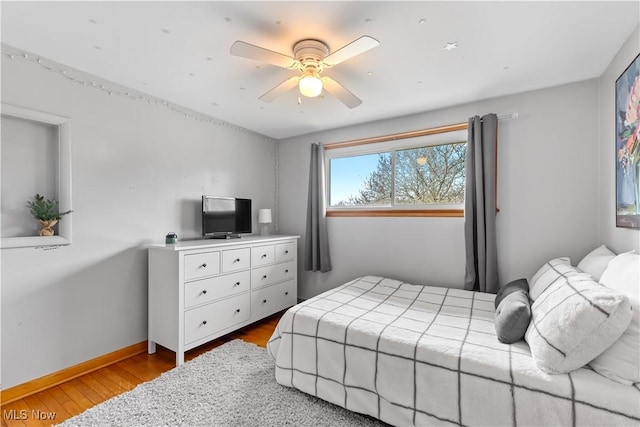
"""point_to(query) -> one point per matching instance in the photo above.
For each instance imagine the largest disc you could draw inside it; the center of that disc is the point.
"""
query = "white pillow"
(621, 361)
(549, 274)
(623, 274)
(573, 321)
(596, 261)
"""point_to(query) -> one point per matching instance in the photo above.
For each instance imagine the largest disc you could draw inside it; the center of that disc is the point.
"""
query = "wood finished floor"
(75, 396)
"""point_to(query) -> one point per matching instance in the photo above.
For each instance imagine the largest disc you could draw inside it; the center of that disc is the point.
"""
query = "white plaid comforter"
(421, 355)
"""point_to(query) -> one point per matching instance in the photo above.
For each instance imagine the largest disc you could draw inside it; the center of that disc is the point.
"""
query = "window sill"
(439, 213)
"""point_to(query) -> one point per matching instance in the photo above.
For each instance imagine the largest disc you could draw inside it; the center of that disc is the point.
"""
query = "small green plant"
(45, 209)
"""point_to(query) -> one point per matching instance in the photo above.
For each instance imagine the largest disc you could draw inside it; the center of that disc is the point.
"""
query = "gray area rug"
(231, 385)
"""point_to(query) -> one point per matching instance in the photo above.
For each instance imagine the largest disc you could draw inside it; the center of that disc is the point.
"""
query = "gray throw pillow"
(514, 286)
(512, 315)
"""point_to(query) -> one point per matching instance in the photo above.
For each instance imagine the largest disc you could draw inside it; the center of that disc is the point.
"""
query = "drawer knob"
(236, 284)
(286, 271)
(286, 293)
(204, 265)
(237, 260)
(264, 301)
(264, 277)
(286, 252)
(263, 256)
(237, 310)
(204, 322)
(204, 291)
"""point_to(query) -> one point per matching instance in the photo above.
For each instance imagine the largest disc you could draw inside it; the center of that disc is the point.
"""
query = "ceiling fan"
(310, 57)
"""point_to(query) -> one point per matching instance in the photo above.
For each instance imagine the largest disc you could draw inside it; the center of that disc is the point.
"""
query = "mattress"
(423, 355)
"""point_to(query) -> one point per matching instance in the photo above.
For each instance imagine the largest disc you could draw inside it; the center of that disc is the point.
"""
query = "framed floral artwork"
(628, 146)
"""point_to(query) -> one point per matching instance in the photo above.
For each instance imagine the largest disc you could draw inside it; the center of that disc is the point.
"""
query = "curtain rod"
(410, 134)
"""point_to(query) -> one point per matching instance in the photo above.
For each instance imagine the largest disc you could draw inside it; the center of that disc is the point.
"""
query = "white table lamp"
(264, 218)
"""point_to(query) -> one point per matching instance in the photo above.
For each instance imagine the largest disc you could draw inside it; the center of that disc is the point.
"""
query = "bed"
(422, 355)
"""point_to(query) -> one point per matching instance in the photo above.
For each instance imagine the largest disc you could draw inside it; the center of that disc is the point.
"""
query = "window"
(398, 177)
(360, 180)
(430, 175)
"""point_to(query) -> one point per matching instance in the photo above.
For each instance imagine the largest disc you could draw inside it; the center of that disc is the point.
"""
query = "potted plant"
(46, 212)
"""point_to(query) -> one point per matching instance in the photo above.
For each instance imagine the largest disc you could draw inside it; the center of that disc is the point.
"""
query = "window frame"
(389, 143)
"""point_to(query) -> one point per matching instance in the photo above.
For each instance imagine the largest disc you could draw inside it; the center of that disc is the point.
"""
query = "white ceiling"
(179, 51)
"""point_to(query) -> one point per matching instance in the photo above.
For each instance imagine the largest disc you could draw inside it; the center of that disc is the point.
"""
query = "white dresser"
(200, 290)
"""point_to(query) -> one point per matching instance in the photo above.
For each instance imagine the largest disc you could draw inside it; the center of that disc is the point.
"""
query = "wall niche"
(35, 159)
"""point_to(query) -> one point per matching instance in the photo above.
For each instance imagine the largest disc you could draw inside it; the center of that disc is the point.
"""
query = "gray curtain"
(316, 245)
(480, 205)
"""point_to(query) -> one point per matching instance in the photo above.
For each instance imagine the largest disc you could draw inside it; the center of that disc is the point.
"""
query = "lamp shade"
(264, 216)
(310, 85)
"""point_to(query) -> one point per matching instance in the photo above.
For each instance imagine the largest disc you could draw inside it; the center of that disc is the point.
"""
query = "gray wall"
(548, 206)
(618, 239)
(138, 172)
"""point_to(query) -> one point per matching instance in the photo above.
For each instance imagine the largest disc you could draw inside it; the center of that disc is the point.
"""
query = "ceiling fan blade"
(280, 89)
(257, 53)
(340, 92)
(354, 48)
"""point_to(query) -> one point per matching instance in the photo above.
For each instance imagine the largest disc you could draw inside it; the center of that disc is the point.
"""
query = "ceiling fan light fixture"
(310, 57)
(310, 85)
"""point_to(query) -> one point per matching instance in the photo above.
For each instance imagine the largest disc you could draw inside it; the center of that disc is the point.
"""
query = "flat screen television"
(225, 217)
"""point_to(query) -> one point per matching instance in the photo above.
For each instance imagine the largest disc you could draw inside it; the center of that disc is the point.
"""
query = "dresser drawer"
(236, 259)
(270, 299)
(208, 319)
(201, 265)
(285, 251)
(262, 255)
(207, 290)
(264, 276)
